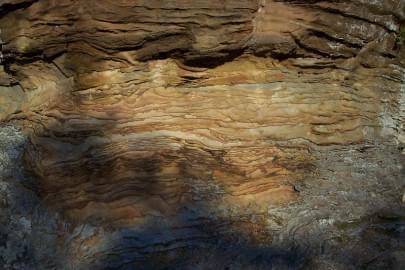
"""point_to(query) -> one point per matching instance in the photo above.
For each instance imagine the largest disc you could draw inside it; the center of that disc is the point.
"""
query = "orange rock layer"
(146, 109)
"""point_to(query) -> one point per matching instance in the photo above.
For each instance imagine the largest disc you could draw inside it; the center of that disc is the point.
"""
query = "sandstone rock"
(185, 134)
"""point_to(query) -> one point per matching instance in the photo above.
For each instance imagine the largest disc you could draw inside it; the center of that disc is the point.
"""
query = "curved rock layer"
(156, 127)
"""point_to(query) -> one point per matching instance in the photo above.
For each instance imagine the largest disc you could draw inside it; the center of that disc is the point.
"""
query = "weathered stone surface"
(203, 134)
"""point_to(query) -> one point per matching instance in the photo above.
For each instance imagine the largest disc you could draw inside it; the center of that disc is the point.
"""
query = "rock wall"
(189, 134)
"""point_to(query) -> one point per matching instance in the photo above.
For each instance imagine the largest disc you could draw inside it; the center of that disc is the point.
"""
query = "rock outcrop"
(193, 134)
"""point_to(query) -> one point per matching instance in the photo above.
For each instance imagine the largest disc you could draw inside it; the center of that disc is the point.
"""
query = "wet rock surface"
(202, 134)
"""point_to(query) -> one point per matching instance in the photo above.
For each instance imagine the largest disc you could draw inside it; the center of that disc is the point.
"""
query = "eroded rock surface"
(202, 134)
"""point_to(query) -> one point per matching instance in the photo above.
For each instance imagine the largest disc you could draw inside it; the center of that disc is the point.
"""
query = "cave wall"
(152, 132)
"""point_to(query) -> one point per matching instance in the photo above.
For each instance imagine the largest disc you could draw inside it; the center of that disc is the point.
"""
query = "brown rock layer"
(199, 115)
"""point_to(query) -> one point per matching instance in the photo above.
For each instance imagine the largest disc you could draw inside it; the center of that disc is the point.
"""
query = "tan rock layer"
(137, 110)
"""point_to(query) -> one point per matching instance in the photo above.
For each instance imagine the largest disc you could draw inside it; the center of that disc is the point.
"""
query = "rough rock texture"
(188, 134)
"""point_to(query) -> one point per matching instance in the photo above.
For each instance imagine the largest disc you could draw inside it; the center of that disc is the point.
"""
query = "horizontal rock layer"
(157, 126)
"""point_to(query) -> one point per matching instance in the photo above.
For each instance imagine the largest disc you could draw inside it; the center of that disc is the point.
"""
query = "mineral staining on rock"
(204, 134)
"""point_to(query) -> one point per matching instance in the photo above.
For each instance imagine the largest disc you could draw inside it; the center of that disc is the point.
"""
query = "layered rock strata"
(158, 131)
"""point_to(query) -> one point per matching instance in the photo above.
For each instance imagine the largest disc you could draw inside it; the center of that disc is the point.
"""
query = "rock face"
(190, 134)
